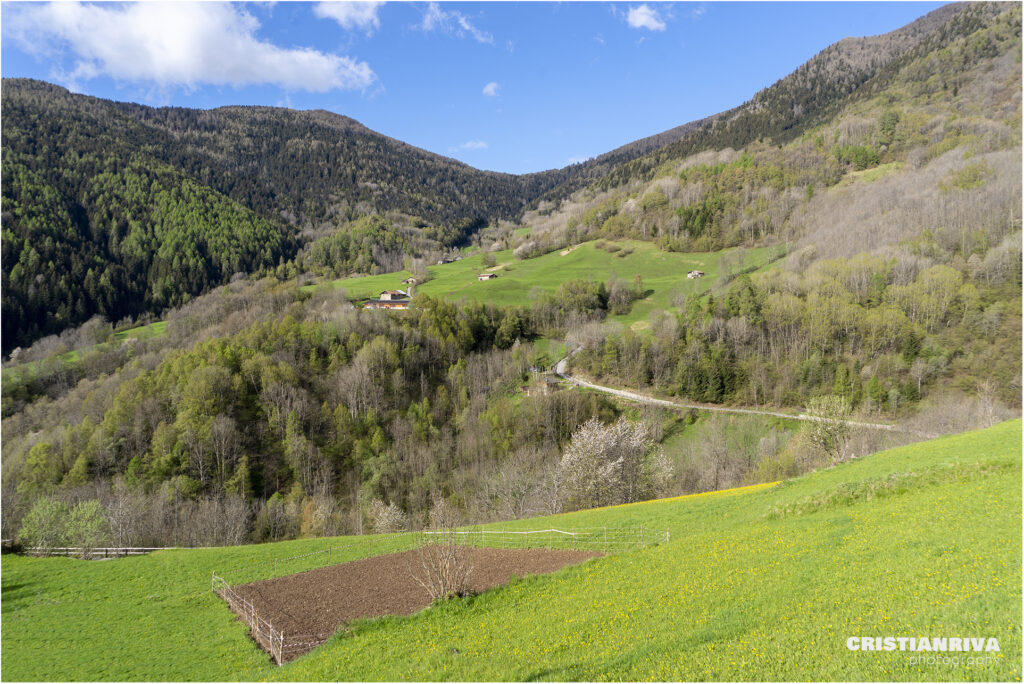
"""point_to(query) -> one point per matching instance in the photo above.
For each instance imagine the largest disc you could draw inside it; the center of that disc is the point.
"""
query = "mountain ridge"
(292, 173)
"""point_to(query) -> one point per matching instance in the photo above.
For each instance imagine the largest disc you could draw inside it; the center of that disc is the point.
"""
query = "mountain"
(134, 209)
(268, 409)
(137, 209)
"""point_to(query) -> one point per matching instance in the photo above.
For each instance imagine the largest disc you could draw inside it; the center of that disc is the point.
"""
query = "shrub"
(445, 563)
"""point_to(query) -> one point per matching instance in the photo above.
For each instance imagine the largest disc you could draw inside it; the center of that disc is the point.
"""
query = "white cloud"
(473, 145)
(452, 22)
(351, 15)
(491, 89)
(176, 45)
(645, 17)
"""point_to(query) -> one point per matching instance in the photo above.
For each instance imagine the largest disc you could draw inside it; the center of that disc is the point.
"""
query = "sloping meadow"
(766, 583)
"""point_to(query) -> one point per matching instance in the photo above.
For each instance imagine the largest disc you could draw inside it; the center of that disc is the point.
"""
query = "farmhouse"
(695, 274)
(486, 276)
(387, 304)
(409, 281)
(392, 295)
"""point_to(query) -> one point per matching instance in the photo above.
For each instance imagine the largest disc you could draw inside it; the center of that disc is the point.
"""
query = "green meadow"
(762, 583)
(663, 274)
(142, 332)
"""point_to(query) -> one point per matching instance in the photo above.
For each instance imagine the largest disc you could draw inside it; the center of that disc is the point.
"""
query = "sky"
(515, 87)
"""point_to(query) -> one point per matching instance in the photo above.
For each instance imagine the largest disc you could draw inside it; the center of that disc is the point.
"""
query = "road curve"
(560, 371)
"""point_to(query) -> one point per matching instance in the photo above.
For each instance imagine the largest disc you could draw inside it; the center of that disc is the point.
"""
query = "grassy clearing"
(663, 274)
(735, 595)
(142, 332)
(872, 174)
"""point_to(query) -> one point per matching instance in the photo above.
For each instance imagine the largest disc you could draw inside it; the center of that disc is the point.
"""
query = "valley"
(783, 340)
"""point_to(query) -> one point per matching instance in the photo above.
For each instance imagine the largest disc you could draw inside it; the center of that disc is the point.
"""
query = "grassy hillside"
(663, 274)
(762, 583)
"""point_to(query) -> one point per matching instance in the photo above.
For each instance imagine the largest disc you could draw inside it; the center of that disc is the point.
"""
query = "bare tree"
(445, 563)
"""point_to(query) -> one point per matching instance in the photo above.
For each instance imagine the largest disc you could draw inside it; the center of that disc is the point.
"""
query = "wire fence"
(282, 647)
(94, 554)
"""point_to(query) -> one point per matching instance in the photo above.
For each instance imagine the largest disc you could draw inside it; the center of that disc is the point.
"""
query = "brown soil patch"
(318, 602)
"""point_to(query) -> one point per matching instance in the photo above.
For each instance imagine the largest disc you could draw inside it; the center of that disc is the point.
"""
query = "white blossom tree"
(610, 464)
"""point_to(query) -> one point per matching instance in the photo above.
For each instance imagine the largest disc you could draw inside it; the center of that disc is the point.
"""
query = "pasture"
(663, 274)
(761, 583)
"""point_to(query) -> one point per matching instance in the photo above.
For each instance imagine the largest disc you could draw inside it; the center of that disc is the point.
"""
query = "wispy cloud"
(351, 15)
(645, 17)
(491, 89)
(436, 19)
(473, 145)
(174, 45)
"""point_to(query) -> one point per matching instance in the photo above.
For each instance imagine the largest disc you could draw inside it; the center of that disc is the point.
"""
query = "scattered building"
(409, 281)
(486, 276)
(393, 295)
(399, 304)
(695, 274)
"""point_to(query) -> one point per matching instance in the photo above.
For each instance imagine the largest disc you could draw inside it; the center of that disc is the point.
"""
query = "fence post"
(502, 537)
(329, 550)
(574, 539)
(275, 567)
(641, 536)
(666, 535)
(213, 581)
(606, 539)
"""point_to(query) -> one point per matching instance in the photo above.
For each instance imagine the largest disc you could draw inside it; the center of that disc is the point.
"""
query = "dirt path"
(560, 370)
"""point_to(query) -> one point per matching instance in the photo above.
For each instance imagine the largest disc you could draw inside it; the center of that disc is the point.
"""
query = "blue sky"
(514, 87)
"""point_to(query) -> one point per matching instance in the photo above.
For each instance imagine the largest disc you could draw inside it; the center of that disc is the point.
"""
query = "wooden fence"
(283, 647)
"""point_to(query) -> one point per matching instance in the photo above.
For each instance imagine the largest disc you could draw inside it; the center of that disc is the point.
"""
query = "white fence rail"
(282, 648)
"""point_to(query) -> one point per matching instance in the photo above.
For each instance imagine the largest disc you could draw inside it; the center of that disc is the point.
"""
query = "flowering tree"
(611, 464)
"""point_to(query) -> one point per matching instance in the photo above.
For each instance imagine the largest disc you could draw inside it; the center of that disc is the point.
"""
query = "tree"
(830, 432)
(88, 527)
(46, 525)
(611, 464)
(386, 517)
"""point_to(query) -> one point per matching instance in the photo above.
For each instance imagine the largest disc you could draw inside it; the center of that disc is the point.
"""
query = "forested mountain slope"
(136, 209)
(808, 96)
(95, 190)
(268, 409)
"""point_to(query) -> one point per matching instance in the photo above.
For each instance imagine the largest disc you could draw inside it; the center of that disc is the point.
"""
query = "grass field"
(663, 273)
(762, 583)
(142, 332)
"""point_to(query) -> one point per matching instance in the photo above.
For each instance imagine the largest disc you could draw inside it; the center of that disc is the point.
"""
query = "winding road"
(561, 371)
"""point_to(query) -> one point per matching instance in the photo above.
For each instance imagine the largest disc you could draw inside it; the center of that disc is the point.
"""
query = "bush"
(445, 563)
